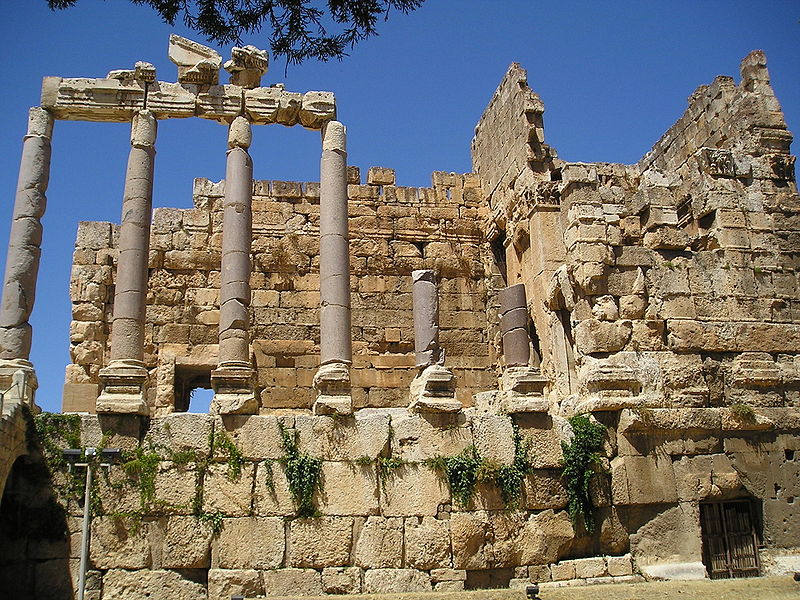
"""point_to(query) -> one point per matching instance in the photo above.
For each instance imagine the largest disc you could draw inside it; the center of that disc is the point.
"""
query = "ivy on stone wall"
(303, 472)
(581, 459)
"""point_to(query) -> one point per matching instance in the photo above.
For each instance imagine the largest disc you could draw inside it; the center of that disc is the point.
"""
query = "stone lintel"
(234, 392)
(116, 101)
(123, 385)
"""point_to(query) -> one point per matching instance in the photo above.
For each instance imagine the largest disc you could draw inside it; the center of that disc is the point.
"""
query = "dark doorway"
(730, 543)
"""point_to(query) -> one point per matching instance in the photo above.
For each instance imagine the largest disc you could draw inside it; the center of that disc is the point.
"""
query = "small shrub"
(303, 472)
(581, 456)
(743, 412)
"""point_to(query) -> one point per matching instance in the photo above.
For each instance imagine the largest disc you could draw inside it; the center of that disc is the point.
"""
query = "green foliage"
(54, 432)
(141, 466)
(461, 472)
(509, 478)
(233, 455)
(363, 461)
(303, 472)
(212, 519)
(580, 457)
(743, 412)
(299, 28)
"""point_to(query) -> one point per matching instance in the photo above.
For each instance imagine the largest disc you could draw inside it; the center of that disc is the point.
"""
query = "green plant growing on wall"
(581, 457)
(141, 466)
(461, 472)
(303, 473)
(387, 467)
(742, 411)
(235, 460)
(509, 478)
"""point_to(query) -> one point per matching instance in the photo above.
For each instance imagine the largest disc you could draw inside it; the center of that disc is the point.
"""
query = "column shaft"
(426, 317)
(130, 295)
(234, 321)
(514, 326)
(22, 262)
(334, 259)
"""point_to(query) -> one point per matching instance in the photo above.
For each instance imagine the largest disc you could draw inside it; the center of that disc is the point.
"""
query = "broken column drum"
(334, 258)
(232, 380)
(426, 318)
(22, 263)
(124, 377)
(514, 326)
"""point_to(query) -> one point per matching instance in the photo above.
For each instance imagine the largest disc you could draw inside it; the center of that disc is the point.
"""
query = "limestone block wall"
(393, 231)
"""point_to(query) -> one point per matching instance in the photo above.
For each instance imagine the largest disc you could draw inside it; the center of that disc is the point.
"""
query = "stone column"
(514, 326)
(332, 379)
(233, 378)
(22, 263)
(518, 377)
(123, 380)
(433, 389)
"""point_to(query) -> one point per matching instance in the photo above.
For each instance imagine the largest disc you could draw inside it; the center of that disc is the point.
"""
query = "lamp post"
(76, 457)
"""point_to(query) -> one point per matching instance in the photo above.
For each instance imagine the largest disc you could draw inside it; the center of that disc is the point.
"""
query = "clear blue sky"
(613, 76)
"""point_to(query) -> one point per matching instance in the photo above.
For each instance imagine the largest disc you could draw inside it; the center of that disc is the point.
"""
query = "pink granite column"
(232, 379)
(514, 326)
(22, 263)
(123, 380)
(336, 349)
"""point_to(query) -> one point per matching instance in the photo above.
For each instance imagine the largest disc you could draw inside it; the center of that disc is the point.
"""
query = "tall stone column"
(22, 263)
(123, 380)
(433, 389)
(332, 379)
(519, 378)
(233, 378)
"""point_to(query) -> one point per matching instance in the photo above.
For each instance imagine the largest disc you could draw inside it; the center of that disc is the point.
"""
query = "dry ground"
(768, 588)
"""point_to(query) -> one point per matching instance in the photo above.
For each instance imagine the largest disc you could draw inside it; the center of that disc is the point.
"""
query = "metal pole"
(85, 538)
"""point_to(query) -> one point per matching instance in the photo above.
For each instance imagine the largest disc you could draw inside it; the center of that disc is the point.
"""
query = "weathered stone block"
(257, 436)
(223, 583)
(320, 542)
(427, 544)
(187, 543)
(116, 546)
(342, 580)
(642, 480)
(250, 543)
(231, 497)
(413, 490)
(134, 585)
(394, 581)
(344, 438)
(380, 543)
(420, 436)
(494, 437)
(292, 582)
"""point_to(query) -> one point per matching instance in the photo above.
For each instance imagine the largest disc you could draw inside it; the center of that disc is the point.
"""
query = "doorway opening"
(730, 539)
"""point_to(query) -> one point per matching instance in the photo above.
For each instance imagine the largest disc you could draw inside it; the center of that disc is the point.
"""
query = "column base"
(122, 388)
(524, 381)
(433, 390)
(233, 390)
(332, 382)
(18, 381)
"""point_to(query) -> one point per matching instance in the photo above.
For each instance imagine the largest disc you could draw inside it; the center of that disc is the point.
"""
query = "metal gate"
(729, 539)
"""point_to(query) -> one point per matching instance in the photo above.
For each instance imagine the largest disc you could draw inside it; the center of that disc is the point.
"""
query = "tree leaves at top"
(300, 28)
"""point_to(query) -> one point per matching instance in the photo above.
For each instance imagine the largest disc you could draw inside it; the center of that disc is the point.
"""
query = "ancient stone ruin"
(410, 384)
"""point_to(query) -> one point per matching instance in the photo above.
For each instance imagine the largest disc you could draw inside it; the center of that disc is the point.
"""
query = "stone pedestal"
(232, 380)
(123, 380)
(434, 387)
(18, 382)
(332, 380)
(22, 262)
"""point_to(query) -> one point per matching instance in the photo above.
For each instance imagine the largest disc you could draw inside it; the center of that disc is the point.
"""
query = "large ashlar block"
(223, 583)
(133, 585)
(413, 490)
(271, 495)
(175, 486)
(393, 581)
(316, 109)
(171, 100)
(427, 543)
(344, 438)
(116, 546)
(732, 336)
(229, 497)
(80, 99)
(220, 102)
(257, 437)
(642, 480)
(421, 436)
(342, 580)
(292, 582)
(380, 543)
(186, 544)
(251, 543)
(182, 432)
(494, 437)
(348, 489)
(656, 542)
(320, 542)
(705, 477)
